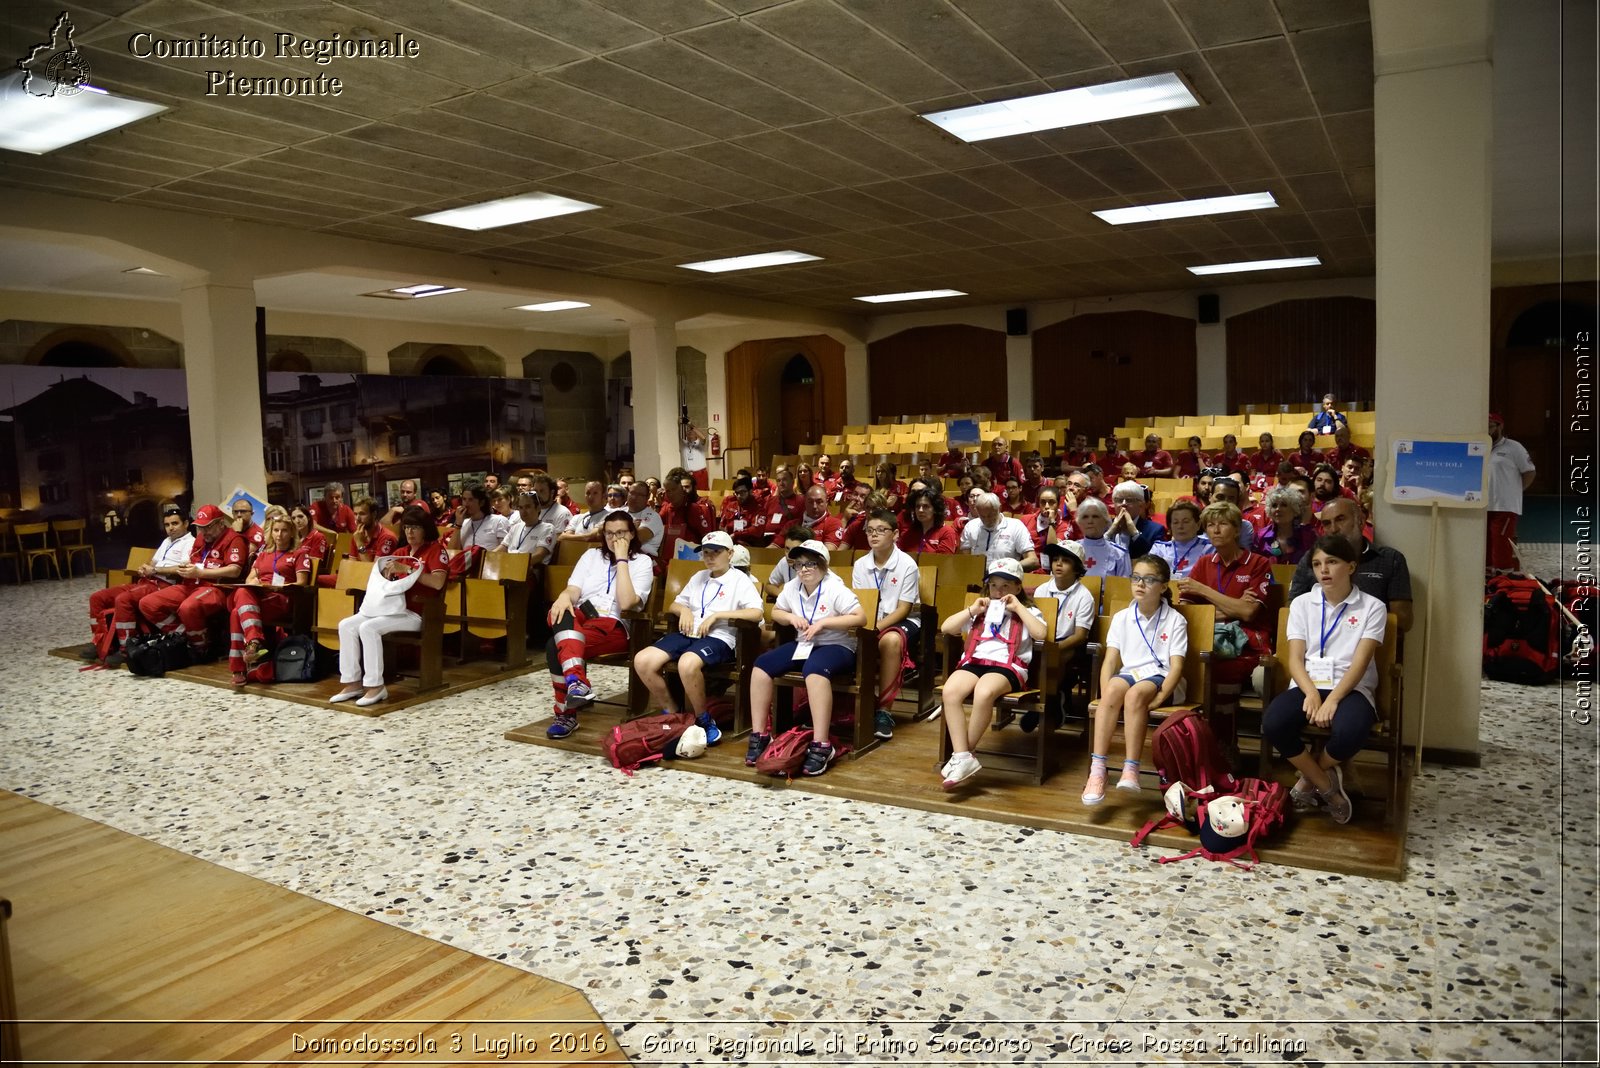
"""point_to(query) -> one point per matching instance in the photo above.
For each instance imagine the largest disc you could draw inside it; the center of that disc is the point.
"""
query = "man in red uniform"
(219, 555)
(331, 515)
(409, 497)
(954, 462)
(844, 483)
(1306, 456)
(826, 528)
(244, 521)
(1000, 463)
(1113, 455)
(1098, 487)
(1154, 461)
(1077, 454)
(1033, 478)
(1230, 459)
(824, 473)
(785, 504)
(1344, 449)
(114, 611)
(744, 514)
(685, 514)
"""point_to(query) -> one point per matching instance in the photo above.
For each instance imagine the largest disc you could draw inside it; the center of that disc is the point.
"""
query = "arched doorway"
(79, 346)
(799, 413)
(1541, 330)
(445, 365)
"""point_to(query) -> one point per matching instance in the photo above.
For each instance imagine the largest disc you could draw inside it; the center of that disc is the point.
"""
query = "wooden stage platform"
(458, 678)
(904, 772)
(126, 951)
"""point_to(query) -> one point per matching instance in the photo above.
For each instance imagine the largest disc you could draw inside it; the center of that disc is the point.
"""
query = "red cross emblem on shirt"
(1091, 562)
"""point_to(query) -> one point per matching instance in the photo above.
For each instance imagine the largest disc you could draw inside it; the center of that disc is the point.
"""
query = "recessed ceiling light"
(142, 270)
(416, 292)
(1257, 265)
(551, 305)
(746, 263)
(507, 210)
(1069, 107)
(38, 124)
(1183, 209)
(920, 294)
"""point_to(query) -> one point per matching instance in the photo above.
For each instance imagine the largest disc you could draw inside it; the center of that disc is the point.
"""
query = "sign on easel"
(1448, 472)
(962, 432)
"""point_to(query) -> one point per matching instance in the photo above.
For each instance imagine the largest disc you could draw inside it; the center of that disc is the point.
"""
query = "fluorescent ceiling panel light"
(39, 124)
(552, 305)
(1069, 107)
(508, 210)
(1257, 265)
(1183, 209)
(427, 289)
(143, 270)
(920, 294)
(747, 263)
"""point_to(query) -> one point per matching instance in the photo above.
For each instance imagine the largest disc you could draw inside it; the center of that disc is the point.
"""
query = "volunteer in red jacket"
(685, 515)
(1306, 456)
(219, 555)
(1267, 458)
(1112, 455)
(1154, 461)
(825, 527)
(1234, 581)
(744, 514)
(114, 611)
(1000, 464)
(924, 529)
(1230, 459)
(281, 563)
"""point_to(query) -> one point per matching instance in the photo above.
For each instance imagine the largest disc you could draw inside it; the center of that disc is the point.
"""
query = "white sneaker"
(1094, 791)
(1129, 780)
(960, 768)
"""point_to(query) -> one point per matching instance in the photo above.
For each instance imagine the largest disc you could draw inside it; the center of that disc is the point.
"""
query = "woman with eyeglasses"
(1143, 669)
(824, 613)
(1284, 537)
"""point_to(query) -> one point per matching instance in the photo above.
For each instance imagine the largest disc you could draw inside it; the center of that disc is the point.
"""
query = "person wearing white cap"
(1001, 629)
(825, 614)
(1143, 669)
(997, 537)
(700, 632)
(1075, 608)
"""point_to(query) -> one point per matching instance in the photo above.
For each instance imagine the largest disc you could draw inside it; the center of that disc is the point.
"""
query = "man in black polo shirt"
(1382, 572)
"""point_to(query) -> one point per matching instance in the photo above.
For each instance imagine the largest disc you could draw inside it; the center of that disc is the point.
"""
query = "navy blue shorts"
(711, 651)
(825, 660)
(980, 670)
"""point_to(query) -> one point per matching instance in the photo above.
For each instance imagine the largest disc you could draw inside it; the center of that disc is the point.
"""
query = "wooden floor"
(904, 772)
(403, 693)
(129, 951)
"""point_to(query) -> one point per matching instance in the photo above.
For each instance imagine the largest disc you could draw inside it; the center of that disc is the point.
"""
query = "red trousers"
(184, 610)
(123, 604)
(249, 609)
(576, 638)
(1500, 550)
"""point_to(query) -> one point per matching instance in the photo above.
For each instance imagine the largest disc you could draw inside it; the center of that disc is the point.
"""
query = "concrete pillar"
(857, 384)
(219, 357)
(655, 397)
(1019, 377)
(1211, 369)
(1433, 116)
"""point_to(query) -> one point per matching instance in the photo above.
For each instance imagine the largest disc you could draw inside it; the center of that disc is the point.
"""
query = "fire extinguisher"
(716, 445)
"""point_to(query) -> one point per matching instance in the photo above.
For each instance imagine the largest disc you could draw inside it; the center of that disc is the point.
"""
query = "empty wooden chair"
(33, 542)
(71, 543)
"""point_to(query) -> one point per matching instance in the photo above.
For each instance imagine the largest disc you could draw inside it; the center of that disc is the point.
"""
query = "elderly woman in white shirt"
(996, 537)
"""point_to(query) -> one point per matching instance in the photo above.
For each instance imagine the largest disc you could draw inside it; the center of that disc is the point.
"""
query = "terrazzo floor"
(712, 921)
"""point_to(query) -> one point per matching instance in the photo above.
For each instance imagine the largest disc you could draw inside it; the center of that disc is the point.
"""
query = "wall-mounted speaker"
(1208, 308)
(1017, 322)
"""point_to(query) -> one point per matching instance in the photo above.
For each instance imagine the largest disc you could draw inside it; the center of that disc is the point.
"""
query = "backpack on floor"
(295, 660)
(153, 655)
(1229, 825)
(1184, 750)
(1521, 631)
(632, 745)
(786, 754)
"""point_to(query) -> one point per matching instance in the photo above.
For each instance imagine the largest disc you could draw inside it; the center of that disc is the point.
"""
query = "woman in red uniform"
(280, 563)
(422, 559)
(924, 529)
(308, 539)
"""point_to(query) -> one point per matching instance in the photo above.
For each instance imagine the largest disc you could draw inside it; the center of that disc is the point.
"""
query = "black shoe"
(89, 652)
(115, 659)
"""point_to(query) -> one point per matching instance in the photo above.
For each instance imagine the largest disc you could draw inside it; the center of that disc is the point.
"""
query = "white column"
(1211, 368)
(857, 384)
(655, 397)
(1433, 114)
(219, 358)
(1019, 377)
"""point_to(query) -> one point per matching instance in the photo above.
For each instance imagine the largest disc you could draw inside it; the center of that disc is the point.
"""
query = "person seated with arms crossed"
(1334, 635)
(894, 575)
(1153, 461)
(219, 554)
(924, 528)
(1001, 629)
(1101, 555)
(1049, 524)
(1187, 543)
(996, 537)
(700, 631)
(1133, 529)
(283, 563)
(393, 605)
(114, 611)
(825, 613)
(1329, 419)
(1285, 538)
(610, 579)
(1075, 615)
(646, 520)
(1146, 643)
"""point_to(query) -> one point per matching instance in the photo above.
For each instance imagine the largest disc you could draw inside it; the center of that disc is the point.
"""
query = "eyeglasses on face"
(871, 531)
(1146, 580)
(808, 565)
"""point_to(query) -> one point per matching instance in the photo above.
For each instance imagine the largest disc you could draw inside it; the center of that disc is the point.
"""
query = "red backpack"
(786, 753)
(1184, 750)
(1229, 825)
(632, 745)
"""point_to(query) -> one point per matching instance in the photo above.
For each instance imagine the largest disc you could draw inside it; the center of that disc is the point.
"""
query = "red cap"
(208, 514)
(1494, 417)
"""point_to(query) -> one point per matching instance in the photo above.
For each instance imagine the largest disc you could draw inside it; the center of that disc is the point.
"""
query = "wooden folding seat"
(1388, 735)
(862, 686)
(495, 606)
(737, 674)
(138, 556)
(557, 578)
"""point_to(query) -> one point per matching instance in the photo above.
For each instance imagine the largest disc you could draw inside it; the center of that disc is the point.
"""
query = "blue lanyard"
(815, 605)
(276, 560)
(713, 596)
(1337, 612)
(1138, 622)
(1177, 565)
(526, 530)
(611, 575)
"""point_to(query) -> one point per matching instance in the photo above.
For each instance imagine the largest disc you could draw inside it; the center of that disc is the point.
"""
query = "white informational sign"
(1449, 472)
